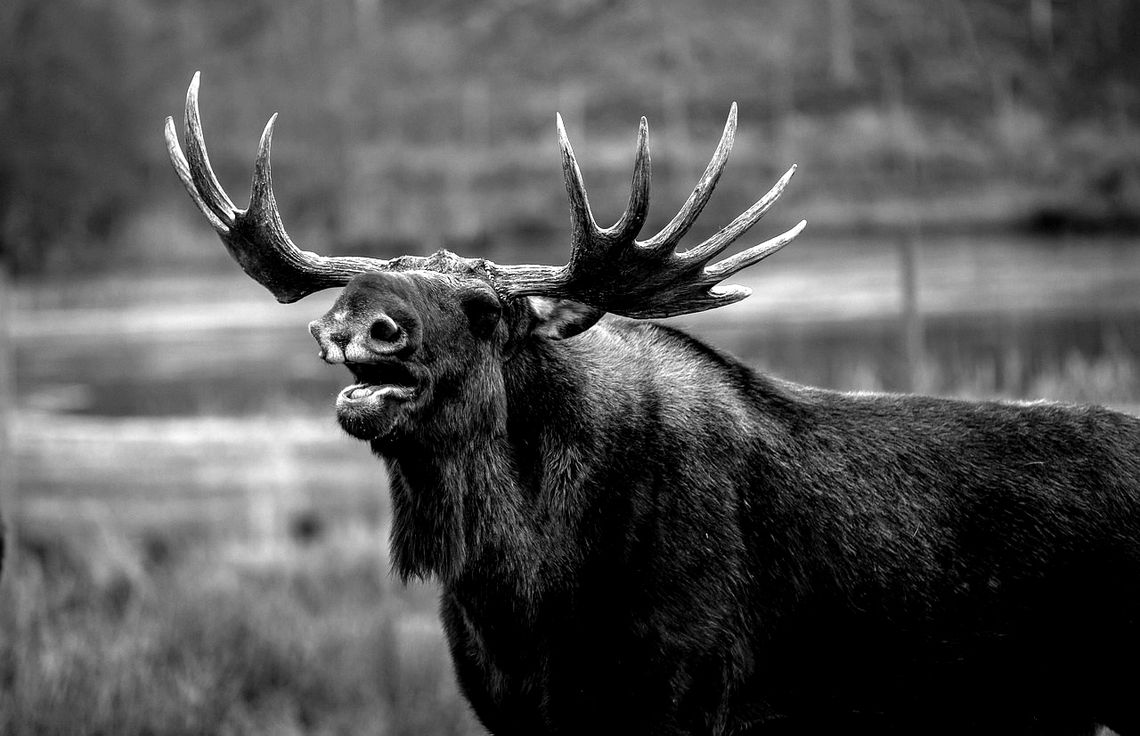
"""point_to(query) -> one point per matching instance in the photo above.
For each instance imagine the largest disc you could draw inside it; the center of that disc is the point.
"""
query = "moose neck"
(456, 509)
(457, 498)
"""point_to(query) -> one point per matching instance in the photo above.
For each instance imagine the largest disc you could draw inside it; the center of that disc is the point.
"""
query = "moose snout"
(347, 339)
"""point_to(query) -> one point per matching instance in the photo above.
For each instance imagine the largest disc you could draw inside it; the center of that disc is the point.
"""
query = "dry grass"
(220, 638)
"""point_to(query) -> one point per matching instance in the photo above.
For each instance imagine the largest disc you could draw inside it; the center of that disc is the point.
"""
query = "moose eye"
(384, 329)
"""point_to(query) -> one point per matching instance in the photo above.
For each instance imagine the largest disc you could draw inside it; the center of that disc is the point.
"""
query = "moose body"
(665, 542)
(634, 533)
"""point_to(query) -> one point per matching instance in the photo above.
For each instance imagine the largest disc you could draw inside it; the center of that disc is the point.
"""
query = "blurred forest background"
(194, 547)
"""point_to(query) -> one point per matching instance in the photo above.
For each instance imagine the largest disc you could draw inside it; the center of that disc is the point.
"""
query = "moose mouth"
(370, 408)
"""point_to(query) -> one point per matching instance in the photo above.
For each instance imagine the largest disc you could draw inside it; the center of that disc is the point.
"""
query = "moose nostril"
(384, 329)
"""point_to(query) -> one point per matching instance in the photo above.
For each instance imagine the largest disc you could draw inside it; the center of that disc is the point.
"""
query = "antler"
(255, 236)
(610, 269)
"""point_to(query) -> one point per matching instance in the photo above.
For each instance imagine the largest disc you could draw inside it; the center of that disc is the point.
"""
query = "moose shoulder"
(634, 533)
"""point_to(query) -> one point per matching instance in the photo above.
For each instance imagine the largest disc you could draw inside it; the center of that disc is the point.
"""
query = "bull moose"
(635, 533)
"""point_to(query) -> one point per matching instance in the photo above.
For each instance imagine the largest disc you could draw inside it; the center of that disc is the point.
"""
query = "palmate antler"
(608, 268)
(611, 269)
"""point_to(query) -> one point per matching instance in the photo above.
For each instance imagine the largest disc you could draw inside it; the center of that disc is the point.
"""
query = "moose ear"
(483, 310)
(558, 319)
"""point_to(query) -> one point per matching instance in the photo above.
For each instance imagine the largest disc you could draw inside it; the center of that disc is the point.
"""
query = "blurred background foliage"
(407, 125)
(194, 547)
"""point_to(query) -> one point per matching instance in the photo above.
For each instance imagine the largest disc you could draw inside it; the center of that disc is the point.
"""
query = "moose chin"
(634, 533)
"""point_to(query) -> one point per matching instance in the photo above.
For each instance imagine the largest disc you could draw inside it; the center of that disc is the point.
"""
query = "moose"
(635, 533)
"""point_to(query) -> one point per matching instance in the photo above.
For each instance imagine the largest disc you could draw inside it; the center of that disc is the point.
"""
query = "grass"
(313, 639)
(187, 575)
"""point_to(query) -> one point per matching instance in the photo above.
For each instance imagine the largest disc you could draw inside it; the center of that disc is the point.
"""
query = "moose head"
(416, 332)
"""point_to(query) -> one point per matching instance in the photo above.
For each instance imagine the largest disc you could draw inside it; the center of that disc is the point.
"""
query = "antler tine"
(274, 254)
(261, 199)
(204, 179)
(671, 234)
(584, 228)
(632, 220)
(182, 168)
(255, 237)
(712, 247)
(723, 269)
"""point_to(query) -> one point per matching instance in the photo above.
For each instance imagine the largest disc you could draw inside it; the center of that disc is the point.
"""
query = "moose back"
(635, 533)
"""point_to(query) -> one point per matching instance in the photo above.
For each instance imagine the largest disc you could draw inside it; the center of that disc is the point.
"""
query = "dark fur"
(634, 533)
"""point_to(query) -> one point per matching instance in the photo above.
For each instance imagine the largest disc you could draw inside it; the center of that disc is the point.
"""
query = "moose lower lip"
(368, 391)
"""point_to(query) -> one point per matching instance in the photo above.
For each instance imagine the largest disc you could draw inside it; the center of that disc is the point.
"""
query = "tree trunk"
(1041, 23)
(8, 498)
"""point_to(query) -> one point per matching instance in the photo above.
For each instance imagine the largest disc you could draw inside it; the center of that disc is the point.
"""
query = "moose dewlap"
(634, 533)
